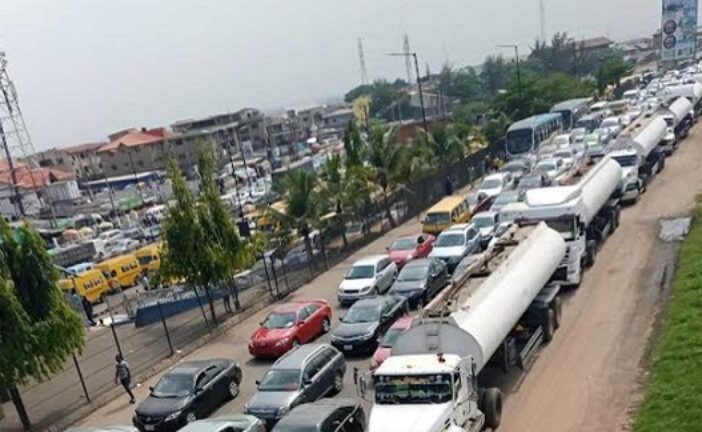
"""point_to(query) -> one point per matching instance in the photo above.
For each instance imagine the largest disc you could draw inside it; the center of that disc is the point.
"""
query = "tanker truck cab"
(631, 186)
(669, 143)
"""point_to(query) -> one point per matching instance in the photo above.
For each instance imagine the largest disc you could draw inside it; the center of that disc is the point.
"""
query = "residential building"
(338, 119)
(83, 160)
(594, 45)
(38, 187)
(133, 151)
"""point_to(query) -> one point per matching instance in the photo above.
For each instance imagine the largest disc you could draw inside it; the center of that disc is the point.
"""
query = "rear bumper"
(162, 426)
(355, 346)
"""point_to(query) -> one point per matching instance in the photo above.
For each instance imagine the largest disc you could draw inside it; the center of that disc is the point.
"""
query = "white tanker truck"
(584, 214)
(678, 117)
(429, 383)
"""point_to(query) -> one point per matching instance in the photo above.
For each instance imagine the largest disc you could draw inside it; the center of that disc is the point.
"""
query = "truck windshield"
(413, 389)
(564, 226)
(625, 161)
(520, 141)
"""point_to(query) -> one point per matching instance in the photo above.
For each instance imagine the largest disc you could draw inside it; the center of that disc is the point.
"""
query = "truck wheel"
(491, 405)
(617, 214)
(549, 325)
(557, 307)
(590, 253)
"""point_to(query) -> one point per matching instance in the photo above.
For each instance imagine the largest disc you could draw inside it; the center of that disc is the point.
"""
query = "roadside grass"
(673, 393)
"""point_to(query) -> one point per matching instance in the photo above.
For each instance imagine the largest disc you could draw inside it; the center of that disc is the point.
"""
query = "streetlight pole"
(516, 58)
(419, 84)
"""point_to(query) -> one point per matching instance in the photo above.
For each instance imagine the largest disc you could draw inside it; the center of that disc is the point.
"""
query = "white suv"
(494, 184)
(367, 277)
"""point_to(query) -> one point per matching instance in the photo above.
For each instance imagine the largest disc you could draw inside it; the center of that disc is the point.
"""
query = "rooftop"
(418, 364)
(87, 147)
(315, 413)
(132, 138)
(596, 42)
(35, 177)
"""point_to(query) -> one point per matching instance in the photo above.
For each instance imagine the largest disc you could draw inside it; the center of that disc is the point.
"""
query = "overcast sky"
(86, 68)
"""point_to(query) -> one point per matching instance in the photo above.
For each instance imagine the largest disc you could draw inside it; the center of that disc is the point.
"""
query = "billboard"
(678, 29)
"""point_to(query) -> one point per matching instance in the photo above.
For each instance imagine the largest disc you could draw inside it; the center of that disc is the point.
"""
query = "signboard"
(678, 30)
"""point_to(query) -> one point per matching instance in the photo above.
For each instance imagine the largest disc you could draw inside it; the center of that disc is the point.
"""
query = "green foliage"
(673, 394)
(496, 127)
(38, 329)
(384, 97)
(463, 84)
(387, 160)
(495, 74)
(444, 144)
(611, 71)
(353, 145)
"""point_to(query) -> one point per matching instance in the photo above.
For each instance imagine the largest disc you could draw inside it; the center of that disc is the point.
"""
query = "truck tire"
(549, 325)
(590, 253)
(557, 307)
(615, 221)
(490, 403)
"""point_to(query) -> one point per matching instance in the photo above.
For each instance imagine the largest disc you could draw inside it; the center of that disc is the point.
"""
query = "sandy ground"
(588, 378)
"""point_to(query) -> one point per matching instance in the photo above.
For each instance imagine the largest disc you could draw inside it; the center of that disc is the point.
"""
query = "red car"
(385, 346)
(290, 325)
(409, 247)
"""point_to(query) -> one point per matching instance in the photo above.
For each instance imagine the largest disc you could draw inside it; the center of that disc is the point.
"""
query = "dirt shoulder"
(588, 377)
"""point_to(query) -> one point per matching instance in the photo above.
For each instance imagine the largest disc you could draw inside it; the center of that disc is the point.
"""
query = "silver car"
(230, 423)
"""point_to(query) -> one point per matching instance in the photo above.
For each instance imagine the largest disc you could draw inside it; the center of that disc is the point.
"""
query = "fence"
(166, 329)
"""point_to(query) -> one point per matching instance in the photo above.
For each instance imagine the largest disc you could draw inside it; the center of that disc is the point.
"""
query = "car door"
(312, 379)
(204, 399)
(387, 313)
(305, 330)
(434, 278)
(471, 237)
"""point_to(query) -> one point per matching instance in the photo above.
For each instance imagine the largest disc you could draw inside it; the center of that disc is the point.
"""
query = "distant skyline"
(84, 69)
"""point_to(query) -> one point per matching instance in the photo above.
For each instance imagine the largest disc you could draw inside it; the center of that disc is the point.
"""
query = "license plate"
(149, 427)
(348, 347)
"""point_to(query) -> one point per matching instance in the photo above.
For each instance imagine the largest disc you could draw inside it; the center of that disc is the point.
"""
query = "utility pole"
(419, 84)
(516, 59)
(542, 19)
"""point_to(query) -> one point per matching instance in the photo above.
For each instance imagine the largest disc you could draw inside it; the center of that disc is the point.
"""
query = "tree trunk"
(235, 288)
(323, 249)
(310, 255)
(344, 240)
(388, 213)
(19, 405)
(212, 307)
(202, 308)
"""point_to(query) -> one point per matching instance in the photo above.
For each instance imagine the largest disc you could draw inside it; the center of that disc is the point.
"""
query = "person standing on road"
(124, 376)
(88, 308)
(145, 282)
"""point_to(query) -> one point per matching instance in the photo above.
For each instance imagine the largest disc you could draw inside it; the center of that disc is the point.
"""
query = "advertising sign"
(678, 29)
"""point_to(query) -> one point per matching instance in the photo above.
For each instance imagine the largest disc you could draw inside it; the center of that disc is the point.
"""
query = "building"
(594, 45)
(38, 187)
(133, 151)
(338, 119)
(82, 160)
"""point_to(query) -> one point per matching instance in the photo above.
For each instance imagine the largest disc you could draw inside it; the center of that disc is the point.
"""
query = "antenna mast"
(408, 59)
(362, 63)
(542, 18)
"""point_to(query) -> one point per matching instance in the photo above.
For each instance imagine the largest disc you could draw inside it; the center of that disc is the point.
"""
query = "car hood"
(264, 334)
(486, 232)
(490, 192)
(445, 252)
(355, 283)
(352, 330)
(153, 406)
(408, 418)
(410, 285)
(271, 399)
(400, 255)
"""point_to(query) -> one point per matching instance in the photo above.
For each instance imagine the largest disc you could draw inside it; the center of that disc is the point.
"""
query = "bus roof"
(533, 121)
(570, 104)
(447, 204)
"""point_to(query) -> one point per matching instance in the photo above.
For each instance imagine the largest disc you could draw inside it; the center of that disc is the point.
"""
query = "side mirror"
(341, 318)
(258, 383)
(199, 390)
(306, 382)
(151, 389)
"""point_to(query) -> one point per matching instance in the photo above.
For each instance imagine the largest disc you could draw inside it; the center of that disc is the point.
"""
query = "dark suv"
(303, 375)
(326, 415)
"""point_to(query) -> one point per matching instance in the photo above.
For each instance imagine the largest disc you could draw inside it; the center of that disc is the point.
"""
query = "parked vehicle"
(365, 321)
(409, 247)
(303, 375)
(506, 197)
(450, 210)
(562, 140)
(420, 280)
(90, 284)
(595, 153)
(567, 156)
(579, 134)
(552, 167)
(486, 223)
(388, 339)
(536, 179)
(456, 243)
(149, 257)
(613, 124)
(189, 391)
(326, 415)
(125, 269)
(228, 423)
(592, 139)
(478, 202)
(493, 184)
(290, 325)
(368, 276)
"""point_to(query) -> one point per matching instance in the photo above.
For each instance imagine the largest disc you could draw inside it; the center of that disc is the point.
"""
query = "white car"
(367, 277)
(567, 155)
(578, 134)
(613, 124)
(456, 243)
(552, 168)
(562, 140)
(494, 184)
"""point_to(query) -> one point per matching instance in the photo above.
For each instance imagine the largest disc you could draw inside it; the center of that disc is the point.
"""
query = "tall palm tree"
(446, 145)
(388, 161)
(332, 185)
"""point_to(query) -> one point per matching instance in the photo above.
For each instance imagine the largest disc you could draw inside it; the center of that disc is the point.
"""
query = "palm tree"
(333, 184)
(388, 161)
(446, 145)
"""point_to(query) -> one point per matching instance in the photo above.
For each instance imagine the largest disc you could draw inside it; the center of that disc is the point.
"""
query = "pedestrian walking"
(226, 299)
(88, 309)
(145, 281)
(487, 163)
(124, 376)
(448, 185)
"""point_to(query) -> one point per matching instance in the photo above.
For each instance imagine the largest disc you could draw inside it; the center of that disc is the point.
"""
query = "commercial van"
(149, 257)
(449, 211)
(124, 268)
(90, 284)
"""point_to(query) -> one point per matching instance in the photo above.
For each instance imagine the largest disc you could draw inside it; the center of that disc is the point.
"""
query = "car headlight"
(282, 411)
(369, 334)
(282, 342)
(246, 407)
(366, 289)
(172, 416)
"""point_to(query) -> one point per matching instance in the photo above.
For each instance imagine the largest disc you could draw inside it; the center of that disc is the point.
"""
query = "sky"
(86, 68)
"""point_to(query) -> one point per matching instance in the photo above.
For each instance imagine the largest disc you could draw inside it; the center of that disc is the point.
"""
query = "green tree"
(353, 145)
(385, 97)
(201, 240)
(38, 329)
(611, 71)
(495, 74)
(445, 145)
(388, 162)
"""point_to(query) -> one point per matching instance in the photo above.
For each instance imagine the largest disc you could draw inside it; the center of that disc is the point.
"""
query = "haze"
(85, 68)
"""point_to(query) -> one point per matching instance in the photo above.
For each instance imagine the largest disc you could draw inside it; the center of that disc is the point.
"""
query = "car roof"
(370, 260)
(316, 412)
(291, 307)
(193, 367)
(371, 301)
(219, 423)
(499, 176)
(295, 358)
(458, 227)
(419, 262)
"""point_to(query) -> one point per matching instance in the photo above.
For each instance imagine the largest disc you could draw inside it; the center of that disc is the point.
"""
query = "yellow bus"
(450, 210)
(149, 257)
(91, 284)
(124, 268)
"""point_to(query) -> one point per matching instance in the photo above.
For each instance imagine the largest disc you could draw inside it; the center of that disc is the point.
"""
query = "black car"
(305, 374)
(365, 321)
(189, 391)
(420, 280)
(326, 415)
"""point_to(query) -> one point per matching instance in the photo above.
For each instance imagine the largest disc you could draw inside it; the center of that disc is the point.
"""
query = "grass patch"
(673, 393)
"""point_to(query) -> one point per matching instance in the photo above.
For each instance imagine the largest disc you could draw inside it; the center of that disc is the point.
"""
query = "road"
(587, 378)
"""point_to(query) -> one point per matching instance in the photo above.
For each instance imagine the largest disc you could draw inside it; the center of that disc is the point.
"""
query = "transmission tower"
(542, 19)
(15, 140)
(408, 57)
(362, 63)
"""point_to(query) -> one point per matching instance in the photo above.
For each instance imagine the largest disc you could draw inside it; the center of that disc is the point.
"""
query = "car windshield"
(404, 244)
(413, 389)
(280, 380)
(449, 240)
(144, 260)
(362, 314)
(563, 154)
(491, 183)
(626, 160)
(413, 273)
(546, 166)
(507, 197)
(514, 167)
(437, 218)
(530, 182)
(483, 221)
(361, 272)
(279, 320)
(390, 337)
(173, 386)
